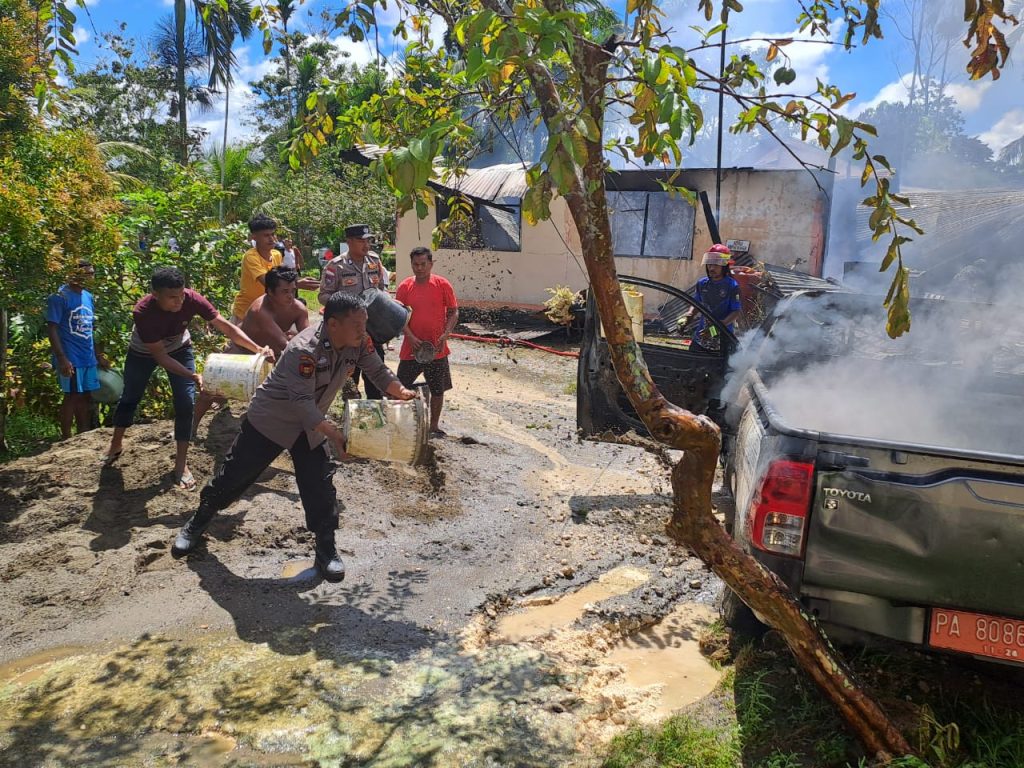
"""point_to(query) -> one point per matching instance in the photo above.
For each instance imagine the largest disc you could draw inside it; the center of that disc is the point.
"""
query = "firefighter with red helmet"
(717, 291)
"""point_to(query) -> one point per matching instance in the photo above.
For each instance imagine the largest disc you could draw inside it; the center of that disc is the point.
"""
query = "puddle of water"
(28, 669)
(666, 656)
(541, 619)
(299, 570)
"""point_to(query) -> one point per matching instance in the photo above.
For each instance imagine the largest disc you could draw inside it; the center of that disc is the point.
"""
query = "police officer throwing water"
(288, 413)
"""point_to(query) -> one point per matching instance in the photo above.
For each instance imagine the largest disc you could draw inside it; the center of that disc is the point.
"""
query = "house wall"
(782, 213)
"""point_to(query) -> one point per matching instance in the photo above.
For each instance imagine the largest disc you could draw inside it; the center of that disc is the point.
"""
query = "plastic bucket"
(385, 317)
(111, 386)
(236, 377)
(635, 307)
(387, 430)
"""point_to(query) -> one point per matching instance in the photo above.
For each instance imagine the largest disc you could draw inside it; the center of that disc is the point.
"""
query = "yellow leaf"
(773, 51)
(507, 71)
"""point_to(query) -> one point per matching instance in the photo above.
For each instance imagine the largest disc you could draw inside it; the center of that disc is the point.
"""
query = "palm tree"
(217, 28)
(241, 178)
(285, 11)
(182, 60)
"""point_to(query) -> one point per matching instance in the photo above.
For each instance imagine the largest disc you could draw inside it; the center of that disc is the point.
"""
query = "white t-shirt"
(288, 258)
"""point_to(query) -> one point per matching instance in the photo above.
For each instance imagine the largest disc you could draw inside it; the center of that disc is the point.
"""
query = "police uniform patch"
(349, 281)
(307, 366)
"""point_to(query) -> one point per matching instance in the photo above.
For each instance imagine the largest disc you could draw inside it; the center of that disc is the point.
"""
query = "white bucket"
(386, 430)
(635, 307)
(236, 377)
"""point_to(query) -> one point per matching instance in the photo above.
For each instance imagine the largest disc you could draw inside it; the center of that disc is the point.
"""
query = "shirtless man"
(272, 320)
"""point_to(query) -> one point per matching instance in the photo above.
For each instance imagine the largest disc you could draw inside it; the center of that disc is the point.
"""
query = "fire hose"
(504, 341)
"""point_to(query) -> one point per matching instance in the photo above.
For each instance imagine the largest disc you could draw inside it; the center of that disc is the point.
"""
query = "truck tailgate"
(952, 538)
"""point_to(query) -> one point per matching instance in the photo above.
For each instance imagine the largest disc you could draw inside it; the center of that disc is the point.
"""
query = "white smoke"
(954, 381)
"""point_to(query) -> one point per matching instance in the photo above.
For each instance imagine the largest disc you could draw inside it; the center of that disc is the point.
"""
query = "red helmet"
(717, 254)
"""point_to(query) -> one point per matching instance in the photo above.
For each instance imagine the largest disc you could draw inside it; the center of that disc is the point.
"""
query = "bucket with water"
(236, 377)
(111, 386)
(387, 430)
(385, 317)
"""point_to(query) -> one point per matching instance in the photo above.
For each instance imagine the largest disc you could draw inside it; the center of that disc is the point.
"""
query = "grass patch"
(570, 388)
(310, 297)
(767, 714)
(679, 742)
(28, 434)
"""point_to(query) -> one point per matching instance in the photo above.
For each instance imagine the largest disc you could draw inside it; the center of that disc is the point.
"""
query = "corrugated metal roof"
(788, 281)
(494, 183)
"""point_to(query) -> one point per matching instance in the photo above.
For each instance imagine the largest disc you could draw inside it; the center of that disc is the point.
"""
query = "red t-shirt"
(153, 324)
(430, 302)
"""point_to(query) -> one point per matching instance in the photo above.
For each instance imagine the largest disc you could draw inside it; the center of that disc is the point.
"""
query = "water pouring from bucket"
(387, 430)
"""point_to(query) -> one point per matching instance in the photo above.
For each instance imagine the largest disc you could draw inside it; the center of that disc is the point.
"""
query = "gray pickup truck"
(882, 480)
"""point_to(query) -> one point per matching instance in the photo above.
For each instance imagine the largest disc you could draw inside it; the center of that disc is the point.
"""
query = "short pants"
(81, 380)
(437, 373)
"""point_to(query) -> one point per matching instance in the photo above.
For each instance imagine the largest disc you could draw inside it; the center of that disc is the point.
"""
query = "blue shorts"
(82, 380)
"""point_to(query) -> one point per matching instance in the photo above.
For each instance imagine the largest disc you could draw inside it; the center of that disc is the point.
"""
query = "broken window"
(651, 224)
(492, 226)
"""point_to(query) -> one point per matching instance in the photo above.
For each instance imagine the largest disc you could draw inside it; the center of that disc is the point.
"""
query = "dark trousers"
(251, 453)
(138, 369)
(372, 393)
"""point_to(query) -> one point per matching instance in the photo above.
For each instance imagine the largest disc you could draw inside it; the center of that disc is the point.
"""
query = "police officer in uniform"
(355, 272)
(288, 413)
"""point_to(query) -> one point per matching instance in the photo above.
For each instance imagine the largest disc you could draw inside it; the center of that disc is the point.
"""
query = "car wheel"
(737, 616)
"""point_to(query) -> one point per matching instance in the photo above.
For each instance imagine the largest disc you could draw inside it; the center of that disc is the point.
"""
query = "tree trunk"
(693, 522)
(179, 79)
(3, 379)
(224, 150)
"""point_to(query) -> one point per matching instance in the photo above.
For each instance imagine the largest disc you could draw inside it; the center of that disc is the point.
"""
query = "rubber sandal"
(185, 481)
(109, 459)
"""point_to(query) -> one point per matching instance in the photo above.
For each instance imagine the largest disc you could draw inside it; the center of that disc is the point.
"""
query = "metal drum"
(385, 317)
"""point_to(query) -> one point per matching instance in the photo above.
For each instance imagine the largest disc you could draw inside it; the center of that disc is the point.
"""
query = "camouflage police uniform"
(283, 415)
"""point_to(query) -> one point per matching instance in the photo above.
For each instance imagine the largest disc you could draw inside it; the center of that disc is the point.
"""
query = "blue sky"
(993, 112)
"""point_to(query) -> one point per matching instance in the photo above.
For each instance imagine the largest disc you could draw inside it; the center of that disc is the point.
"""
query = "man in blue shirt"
(719, 292)
(69, 324)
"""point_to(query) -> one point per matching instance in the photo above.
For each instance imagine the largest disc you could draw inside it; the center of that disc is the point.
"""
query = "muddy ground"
(448, 643)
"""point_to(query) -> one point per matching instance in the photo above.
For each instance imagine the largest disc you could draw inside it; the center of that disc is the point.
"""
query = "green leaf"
(784, 76)
(420, 150)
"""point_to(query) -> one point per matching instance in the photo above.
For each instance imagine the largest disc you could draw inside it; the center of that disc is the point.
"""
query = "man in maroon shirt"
(161, 338)
(435, 313)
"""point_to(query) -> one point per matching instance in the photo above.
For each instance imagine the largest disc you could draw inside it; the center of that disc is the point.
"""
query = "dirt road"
(448, 643)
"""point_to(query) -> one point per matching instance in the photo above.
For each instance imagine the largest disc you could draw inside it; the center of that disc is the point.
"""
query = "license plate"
(978, 634)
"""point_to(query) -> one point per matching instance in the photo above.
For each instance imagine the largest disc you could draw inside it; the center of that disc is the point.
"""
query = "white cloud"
(360, 54)
(1006, 129)
(967, 97)
(82, 36)
(241, 100)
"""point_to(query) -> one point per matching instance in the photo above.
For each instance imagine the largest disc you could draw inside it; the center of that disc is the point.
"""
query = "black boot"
(192, 533)
(328, 562)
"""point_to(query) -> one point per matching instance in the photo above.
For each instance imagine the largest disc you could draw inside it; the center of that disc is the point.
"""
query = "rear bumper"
(864, 613)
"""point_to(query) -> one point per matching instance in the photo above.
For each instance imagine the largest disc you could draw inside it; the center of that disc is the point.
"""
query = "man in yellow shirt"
(256, 262)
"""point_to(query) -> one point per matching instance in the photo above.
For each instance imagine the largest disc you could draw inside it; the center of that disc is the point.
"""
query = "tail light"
(780, 507)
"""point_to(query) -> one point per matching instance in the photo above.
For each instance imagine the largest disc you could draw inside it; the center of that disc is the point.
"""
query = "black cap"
(358, 231)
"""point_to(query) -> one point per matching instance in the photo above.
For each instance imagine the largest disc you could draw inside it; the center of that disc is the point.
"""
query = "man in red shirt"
(435, 313)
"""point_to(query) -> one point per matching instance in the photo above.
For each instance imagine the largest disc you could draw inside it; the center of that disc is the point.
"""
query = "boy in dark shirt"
(161, 338)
